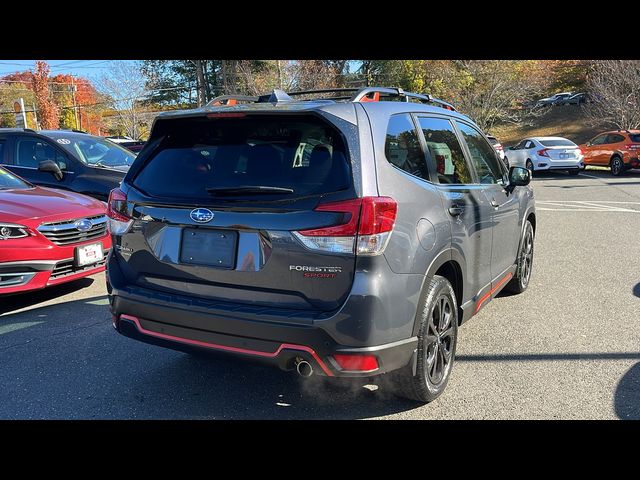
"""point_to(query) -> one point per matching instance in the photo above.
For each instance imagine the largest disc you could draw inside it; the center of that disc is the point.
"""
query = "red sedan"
(48, 236)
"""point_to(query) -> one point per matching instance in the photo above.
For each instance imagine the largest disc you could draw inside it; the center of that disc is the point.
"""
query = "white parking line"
(585, 206)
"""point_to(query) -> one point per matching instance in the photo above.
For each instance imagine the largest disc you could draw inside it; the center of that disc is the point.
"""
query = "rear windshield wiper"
(248, 189)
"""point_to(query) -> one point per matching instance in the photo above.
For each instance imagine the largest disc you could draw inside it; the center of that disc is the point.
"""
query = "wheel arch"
(449, 264)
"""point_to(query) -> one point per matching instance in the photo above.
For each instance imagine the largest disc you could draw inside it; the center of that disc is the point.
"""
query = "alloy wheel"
(526, 258)
(439, 341)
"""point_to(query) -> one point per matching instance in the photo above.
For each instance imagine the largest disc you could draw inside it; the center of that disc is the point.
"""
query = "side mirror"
(51, 167)
(518, 177)
(588, 144)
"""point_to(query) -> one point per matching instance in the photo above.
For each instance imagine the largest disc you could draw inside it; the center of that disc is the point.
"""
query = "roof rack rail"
(29, 130)
(78, 131)
(228, 100)
(366, 94)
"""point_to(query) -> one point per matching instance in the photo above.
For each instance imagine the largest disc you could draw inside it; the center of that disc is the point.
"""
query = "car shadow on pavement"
(17, 301)
(221, 388)
(627, 396)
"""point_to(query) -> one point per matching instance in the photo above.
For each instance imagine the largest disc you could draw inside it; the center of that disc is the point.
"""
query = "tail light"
(632, 146)
(365, 229)
(119, 219)
(543, 152)
(580, 152)
(499, 147)
(360, 363)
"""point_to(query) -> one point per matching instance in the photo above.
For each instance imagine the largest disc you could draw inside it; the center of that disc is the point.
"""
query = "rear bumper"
(279, 345)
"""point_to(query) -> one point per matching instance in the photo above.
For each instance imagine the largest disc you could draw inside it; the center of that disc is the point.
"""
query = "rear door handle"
(456, 209)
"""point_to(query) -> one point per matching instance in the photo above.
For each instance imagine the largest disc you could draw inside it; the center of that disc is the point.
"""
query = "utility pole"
(75, 107)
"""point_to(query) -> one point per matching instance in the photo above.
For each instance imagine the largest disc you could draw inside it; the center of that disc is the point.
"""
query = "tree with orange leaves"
(48, 112)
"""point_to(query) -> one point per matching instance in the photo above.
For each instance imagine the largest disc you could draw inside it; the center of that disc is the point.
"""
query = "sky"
(83, 68)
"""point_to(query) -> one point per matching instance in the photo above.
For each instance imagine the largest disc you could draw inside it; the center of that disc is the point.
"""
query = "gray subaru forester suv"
(344, 236)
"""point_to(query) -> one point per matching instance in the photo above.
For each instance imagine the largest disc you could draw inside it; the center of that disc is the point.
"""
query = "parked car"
(272, 231)
(127, 142)
(554, 99)
(497, 146)
(546, 153)
(617, 149)
(48, 236)
(575, 99)
(65, 159)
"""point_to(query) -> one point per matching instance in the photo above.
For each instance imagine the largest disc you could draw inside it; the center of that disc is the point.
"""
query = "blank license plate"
(89, 254)
(213, 248)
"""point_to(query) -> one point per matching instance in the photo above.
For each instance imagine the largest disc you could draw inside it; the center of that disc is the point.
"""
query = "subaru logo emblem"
(201, 215)
(83, 225)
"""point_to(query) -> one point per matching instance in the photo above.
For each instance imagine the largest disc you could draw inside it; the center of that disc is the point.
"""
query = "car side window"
(445, 151)
(614, 138)
(1, 151)
(402, 146)
(31, 151)
(521, 145)
(599, 140)
(483, 156)
(529, 145)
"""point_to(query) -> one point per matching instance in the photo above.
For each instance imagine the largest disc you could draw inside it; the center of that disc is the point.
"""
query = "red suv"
(48, 236)
(617, 149)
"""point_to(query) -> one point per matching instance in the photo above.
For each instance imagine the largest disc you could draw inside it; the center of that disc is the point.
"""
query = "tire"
(575, 171)
(524, 261)
(432, 376)
(529, 165)
(617, 166)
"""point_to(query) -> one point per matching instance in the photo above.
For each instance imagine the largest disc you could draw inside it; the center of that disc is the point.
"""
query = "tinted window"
(8, 181)
(557, 142)
(520, 146)
(482, 154)
(301, 153)
(31, 151)
(529, 144)
(402, 146)
(94, 150)
(445, 150)
(614, 138)
(634, 137)
(599, 140)
(1, 151)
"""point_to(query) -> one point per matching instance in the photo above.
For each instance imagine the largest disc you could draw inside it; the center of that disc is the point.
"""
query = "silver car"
(546, 153)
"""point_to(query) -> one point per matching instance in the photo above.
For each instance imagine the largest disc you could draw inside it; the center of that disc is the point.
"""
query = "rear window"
(634, 137)
(302, 153)
(557, 142)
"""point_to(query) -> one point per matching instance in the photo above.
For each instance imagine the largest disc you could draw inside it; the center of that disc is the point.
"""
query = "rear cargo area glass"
(302, 153)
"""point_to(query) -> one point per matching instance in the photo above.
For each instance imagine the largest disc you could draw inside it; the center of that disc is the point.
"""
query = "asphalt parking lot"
(568, 348)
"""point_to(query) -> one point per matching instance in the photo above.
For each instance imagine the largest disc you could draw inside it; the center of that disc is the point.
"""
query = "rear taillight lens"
(358, 363)
(499, 147)
(543, 152)
(119, 219)
(579, 151)
(365, 228)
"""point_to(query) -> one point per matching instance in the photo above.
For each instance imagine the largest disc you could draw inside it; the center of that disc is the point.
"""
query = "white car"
(546, 153)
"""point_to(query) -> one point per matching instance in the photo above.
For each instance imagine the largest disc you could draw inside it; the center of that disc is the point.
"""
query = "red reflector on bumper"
(361, 363)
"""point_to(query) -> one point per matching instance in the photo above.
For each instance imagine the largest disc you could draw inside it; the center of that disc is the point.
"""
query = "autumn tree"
(10, 92)
(48, 111)
(614, 89)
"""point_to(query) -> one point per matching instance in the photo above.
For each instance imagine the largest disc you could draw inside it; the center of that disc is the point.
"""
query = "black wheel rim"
(440, 340)
(615, 167)
(526, 257)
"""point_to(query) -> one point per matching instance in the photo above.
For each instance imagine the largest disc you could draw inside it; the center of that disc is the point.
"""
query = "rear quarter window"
(303, 153)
